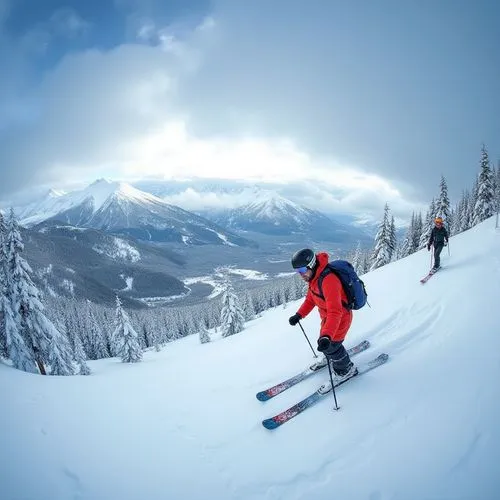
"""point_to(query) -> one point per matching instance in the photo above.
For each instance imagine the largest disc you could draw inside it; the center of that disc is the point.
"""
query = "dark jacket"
(438, 236)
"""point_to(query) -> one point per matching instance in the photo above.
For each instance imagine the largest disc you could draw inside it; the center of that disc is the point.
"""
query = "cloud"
(366, 199)
(255, 93)
(79, 120)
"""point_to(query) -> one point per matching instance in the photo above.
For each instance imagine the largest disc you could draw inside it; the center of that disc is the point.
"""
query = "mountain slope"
(123, 209)
(423, 426)
(275, 215)
(92, 264)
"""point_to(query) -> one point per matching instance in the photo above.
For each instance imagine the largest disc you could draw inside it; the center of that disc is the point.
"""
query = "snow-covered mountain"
(422, 427)
(273, 214)
(85, 263)
(120, 208)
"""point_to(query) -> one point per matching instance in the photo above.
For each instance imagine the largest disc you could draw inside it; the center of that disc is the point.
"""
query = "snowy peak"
(120, 208)
(272, 214)
(273, 207)
(104, 192)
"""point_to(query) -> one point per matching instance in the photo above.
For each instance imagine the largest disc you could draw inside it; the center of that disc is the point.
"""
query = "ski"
(432, 272)
(283, 386)
(285, 416)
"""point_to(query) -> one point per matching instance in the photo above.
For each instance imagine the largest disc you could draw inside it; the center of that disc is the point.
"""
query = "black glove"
(323, 344)
(293, 320)
(428, 247)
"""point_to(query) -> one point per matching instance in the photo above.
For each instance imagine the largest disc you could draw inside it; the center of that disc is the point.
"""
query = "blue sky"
(379, 98)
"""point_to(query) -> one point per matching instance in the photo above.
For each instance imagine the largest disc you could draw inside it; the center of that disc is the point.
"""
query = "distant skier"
(438, 238)
(335, 319)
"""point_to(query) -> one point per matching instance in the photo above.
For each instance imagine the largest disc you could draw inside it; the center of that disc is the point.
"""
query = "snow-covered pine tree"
(80, 357)
(203, 333)
(95, 336)
(417, 234)
(497, 185)
(451, 222)
(232, 319)
(497, 190)
(406, 245)
(382, 250)
(44, 342)
(60, 353)
(247, 306)
(442, 207)
(428, 224)
(458, 220)
(412, 237)
(17, 351)
(485, 203)
(151, 331)
(393, 241)
(357, 259)
(467, 211)
(3, 262)
(472, 201)
(125, 338)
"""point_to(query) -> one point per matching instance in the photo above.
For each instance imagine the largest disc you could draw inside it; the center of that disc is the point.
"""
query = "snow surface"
(129, 280)
(216, 283)
(223, 238)
(120, 249)
(185, 424)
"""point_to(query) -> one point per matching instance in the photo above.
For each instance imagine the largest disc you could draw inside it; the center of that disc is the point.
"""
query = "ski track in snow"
(396, 339)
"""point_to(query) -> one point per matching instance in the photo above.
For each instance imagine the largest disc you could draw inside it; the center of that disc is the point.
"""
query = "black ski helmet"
(304, 258)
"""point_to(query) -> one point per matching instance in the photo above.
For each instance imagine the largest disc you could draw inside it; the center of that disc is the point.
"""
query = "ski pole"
(448, 248)
(333, 386)
(432, 254)
(315, 355)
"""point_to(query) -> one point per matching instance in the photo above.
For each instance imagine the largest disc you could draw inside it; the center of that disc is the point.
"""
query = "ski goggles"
(302, 270)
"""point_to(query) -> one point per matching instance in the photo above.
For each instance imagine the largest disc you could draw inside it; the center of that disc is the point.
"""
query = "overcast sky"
(381, 96)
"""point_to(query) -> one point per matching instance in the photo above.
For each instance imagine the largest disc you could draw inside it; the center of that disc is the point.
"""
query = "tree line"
(474, 206)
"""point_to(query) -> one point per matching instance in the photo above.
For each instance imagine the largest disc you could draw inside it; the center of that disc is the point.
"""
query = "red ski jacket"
(335, 318)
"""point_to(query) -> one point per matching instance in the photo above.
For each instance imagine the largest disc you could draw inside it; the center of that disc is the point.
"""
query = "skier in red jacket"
(335, 318)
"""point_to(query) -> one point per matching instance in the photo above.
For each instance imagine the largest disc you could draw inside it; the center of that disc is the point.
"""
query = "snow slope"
(184, 423)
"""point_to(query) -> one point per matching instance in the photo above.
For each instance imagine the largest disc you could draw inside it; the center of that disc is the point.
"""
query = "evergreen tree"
(17, 351)
(497, 183)
(3, 263)
(407, 241)
(247, 306)
(382, 251)
(232, 319)
(203, 333)
(357, 259)
(442, 208)
(80, 357)
(497, 187)
(60, 356)
(417, 233)
(485, 203)
(472, 202)
(428, 225)
(393, 242)
(96, 339)
(45, 344)
(125, 338)
(466, 215)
